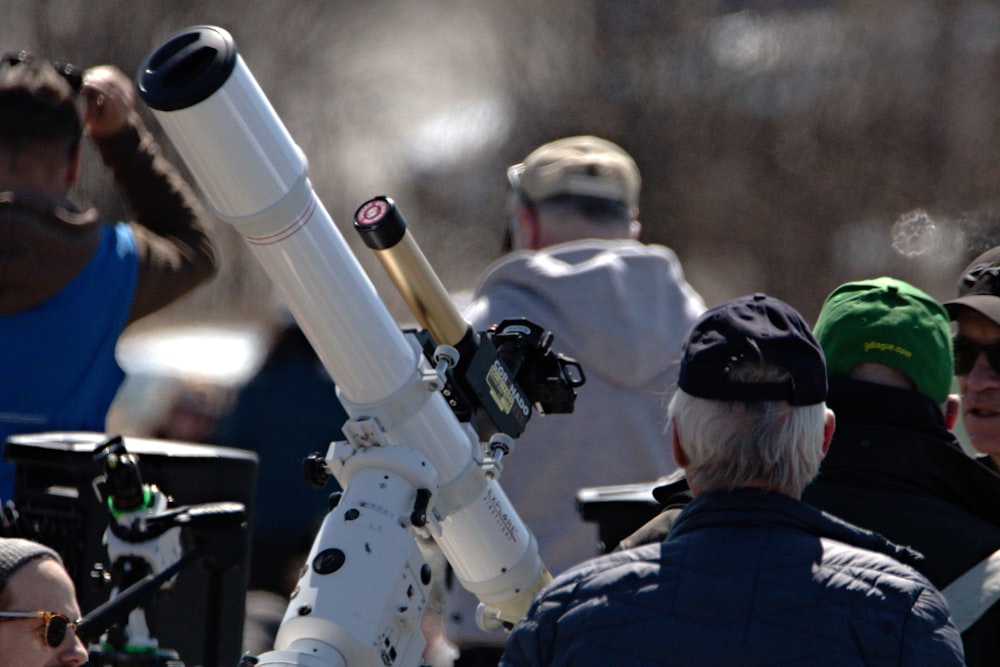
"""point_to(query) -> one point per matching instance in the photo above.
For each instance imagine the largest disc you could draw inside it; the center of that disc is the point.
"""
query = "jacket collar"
(872, 449)
(856, 402)
(767, 510)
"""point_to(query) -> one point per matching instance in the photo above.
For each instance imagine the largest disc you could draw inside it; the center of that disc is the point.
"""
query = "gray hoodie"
(622, 309)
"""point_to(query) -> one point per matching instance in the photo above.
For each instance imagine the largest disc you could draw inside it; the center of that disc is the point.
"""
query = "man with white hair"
(749, 574)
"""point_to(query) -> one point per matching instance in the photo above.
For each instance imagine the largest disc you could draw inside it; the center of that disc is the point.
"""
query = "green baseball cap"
(888, 321)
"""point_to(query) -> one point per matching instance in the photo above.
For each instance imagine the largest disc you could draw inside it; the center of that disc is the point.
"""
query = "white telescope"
(409, 466)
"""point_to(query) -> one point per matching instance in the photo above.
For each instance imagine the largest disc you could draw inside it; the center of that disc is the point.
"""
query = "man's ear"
(634, 229)
(829, 426)
(952, 407)
(680, 456)
(529, 228)
(73, 167)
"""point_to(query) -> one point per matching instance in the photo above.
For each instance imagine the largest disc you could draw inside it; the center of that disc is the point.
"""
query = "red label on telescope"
(372, 212)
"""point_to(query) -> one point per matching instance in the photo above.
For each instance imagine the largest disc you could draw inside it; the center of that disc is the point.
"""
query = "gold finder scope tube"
(383, 229)
(493, 401)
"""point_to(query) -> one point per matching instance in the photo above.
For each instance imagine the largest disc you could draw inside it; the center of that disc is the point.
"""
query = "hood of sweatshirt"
(42, 247)
(621, 308)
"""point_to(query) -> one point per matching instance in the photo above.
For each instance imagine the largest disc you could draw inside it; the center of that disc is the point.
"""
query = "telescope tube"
(255, 178)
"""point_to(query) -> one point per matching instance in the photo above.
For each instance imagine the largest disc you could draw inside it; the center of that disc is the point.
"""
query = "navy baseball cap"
(755, 328)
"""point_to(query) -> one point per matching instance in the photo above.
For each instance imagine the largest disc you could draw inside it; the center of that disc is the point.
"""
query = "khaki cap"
(583, 165)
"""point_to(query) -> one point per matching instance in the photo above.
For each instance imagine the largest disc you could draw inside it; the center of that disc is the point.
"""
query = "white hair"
(731, 444)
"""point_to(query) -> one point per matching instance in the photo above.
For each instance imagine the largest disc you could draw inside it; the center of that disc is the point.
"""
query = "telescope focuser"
(547, 378)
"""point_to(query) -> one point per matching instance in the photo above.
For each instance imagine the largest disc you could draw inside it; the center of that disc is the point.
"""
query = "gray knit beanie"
(15, 552)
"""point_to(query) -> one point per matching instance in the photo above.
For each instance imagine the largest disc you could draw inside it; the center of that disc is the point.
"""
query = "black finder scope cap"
(380, 223)
(187, 68)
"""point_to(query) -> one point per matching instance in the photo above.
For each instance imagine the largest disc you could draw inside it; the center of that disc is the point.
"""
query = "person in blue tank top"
(71, 282)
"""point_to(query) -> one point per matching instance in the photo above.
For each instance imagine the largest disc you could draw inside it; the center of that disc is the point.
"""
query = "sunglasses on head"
(967, 351)
(514, 173)
(56, 624)
(72, 73)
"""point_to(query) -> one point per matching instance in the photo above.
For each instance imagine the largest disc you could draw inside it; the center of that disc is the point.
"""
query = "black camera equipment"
(100, 502)
(149, 542)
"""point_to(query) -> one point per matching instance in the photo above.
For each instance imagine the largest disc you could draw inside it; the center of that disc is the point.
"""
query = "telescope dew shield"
(256, 179)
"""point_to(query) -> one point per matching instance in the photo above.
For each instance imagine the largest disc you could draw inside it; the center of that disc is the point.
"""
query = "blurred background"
(786, 146)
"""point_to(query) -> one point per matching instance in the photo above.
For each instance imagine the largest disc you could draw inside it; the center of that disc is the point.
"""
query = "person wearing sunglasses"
(70, 280)
(38, 608)
(976, 313)
(894, 465)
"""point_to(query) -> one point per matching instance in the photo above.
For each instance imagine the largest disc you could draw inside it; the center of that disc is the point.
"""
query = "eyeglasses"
(72, 73)
(514, 181)
(56, 624)
(967, 352)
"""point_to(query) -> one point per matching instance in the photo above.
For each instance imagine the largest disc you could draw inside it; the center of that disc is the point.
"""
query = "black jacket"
(746, 577)
(894, 468)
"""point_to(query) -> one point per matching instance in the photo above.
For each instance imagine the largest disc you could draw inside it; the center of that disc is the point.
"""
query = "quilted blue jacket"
(744, 578)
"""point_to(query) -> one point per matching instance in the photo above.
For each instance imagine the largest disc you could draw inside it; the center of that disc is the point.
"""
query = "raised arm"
(175, 251)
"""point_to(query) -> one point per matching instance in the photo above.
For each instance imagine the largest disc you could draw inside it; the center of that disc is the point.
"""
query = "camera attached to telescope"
(499, 374)
(512, 369)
